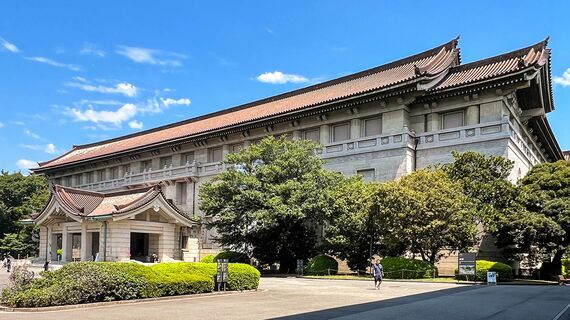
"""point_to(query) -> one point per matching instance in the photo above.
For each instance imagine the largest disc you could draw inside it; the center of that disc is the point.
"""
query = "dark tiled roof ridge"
(449, 45)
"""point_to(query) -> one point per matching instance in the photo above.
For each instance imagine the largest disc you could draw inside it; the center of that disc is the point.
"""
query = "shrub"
(232, 256)
(504, 271)
(322, 265)
(404, 268)
(565, 266)
(208, 259)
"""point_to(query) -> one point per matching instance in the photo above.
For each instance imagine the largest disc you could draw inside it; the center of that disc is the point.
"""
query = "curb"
(120, 302)
(395, 280)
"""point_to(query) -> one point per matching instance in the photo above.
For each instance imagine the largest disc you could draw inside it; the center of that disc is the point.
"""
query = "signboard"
(300, 267)
(467, 263)
(222, 273)
(491, 278)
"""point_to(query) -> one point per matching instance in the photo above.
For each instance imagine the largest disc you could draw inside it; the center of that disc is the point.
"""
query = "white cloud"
(1, 125)
(169, 101)
(279, 77)
(80, 79)
(91, 49)
(51, 62)
(87, 102)
(31, 134)
(49, 148)
(124, 113)
(151, 56)
(8, 46)
(26, 164)
(123, 88)
(135, 124)
(564, 80)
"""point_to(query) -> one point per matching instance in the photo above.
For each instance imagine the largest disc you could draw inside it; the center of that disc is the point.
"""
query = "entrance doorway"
(94, 245)
(139, 246)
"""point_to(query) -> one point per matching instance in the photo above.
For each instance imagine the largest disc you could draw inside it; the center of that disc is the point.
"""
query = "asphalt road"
(293, 298)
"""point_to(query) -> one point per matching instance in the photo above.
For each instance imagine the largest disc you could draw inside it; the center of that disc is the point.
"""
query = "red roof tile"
(413, 68)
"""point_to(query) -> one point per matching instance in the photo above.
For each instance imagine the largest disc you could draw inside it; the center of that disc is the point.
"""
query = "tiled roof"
(85, 203)
(535, 55)
(414, 68)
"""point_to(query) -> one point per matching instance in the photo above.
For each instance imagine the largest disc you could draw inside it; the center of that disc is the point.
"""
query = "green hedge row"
(504, 271)
(86, 282)
(404, 268)
(321, 265)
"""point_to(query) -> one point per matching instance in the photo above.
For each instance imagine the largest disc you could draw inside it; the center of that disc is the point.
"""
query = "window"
(126, 169)
(181, 192)
(78, 180)
(236, 148)
(372, 127)
(165, 162)
(184, 242)
(341, 132)
(452, 120)
(146, 165)
(57, 181)
(215, 155)
(312, 135)
(187, 158)
(367, 174)
(89, 177)
(114, 172)
(67, 182)
(101, 175)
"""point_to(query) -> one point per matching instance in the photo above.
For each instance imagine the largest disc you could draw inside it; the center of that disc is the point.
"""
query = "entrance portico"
(79, 225)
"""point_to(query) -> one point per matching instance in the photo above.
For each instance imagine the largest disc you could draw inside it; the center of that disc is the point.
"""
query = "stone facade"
(381, 137)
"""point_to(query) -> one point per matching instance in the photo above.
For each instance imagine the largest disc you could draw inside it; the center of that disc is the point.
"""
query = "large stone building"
(135, 195)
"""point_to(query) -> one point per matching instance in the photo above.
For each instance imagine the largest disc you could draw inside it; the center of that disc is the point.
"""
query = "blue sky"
(74, 72)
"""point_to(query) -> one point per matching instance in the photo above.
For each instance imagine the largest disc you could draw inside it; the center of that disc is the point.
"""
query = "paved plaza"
(292, 298)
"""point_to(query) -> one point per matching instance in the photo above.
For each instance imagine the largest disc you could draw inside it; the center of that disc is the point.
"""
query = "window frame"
(334, 126)
(363, 121)
(443, 115)
(312, 130)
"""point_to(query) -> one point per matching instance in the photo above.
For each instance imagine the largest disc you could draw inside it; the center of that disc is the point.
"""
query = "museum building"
(134, 196)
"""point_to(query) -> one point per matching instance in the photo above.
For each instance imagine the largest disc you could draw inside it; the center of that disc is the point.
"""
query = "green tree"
(20, 196)
(545, 193)
(271, 201)
(424, 213)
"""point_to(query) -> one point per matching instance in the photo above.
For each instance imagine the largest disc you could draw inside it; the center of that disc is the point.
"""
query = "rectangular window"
(215, 155)
(165, 162)
(146, 165)
(126, 169)
(341, 132)
(78, 180)
(452, 120)
(101, 175)
(187, 158)
(181, 192)
(367, 174)
(236, 148)
(68, 181)
(114, 173)
(89, 177)
(372, 127)
(312, 135)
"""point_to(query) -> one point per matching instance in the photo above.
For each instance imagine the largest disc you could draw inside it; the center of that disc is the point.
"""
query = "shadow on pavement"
(357, 308)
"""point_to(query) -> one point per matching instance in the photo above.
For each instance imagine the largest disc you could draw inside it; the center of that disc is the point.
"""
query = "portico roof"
(81, 204)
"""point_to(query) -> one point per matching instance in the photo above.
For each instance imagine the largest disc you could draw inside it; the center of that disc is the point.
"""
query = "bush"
(86, 282)
(504, 271)
(565, 266)
(404, 268)
(208, 259)
(232, 256)
(322, 265)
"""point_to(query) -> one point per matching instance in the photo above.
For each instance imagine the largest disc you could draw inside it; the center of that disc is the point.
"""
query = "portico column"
(49, 240)
(83, 241)
(64, 245)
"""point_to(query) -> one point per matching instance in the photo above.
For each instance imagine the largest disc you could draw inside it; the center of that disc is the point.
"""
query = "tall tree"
(20, 196)
(271, 201)
(545, 192)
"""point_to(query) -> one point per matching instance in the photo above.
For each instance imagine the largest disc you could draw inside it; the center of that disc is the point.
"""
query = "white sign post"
(491, 278)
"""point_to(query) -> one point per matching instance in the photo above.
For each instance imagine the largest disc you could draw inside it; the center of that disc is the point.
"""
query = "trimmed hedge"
(86, 282)
(404, 268)
(208, 259)
(232, 256)
(504, 271)
(321, 265)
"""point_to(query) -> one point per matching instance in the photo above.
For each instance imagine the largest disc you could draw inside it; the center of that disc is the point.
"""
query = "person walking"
(378, 274)
(8, 264)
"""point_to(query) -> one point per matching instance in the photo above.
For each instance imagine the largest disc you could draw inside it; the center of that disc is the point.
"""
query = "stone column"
(65, 245)
(49, 240)
(472, 115)
(297, 135)
(83, 241)
(433, 122)
(354, 128)
(225, 151)
(325, 134)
